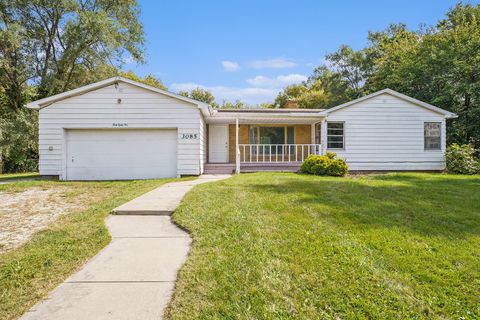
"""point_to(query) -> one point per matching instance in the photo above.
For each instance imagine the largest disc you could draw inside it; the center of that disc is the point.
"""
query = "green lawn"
(31, 271)
(284, 246)
(15, 176)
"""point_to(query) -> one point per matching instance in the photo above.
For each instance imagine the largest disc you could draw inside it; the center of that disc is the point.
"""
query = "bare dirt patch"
(24, 213)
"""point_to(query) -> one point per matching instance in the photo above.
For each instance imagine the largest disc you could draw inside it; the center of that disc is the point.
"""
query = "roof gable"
(445, 113)
(45, 102)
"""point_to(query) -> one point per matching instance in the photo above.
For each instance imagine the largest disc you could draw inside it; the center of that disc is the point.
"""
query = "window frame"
(343, 135)
(439, 136)
(318, 133)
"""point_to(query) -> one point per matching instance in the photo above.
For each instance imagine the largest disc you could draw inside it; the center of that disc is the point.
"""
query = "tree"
(200, 94)
(52, 44)
(238, 104)
(324, 89)
(352, 66)
(149, 79)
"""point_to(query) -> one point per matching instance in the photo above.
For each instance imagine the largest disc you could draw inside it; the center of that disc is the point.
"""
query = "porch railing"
(276, 153)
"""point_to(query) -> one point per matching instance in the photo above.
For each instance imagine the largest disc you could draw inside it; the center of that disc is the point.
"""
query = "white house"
(123, 129)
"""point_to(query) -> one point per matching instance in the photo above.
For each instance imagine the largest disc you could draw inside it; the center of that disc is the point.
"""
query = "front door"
(218, 143)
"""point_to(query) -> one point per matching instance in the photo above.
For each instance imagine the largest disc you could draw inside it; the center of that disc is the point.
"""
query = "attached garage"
(120, 129)
(120, 154)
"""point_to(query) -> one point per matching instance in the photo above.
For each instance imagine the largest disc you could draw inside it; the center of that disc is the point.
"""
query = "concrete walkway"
(133, 277)
(163, 200)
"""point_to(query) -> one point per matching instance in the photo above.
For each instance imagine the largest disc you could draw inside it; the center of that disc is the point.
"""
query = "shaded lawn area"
(29, 272)
(284, 246)
(15, 176)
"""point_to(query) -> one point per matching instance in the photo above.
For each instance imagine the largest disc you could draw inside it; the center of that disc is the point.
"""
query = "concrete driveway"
(134, 276)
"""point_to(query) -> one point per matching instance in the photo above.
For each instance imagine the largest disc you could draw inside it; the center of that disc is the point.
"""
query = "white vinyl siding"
(387, 133)
(139, 109)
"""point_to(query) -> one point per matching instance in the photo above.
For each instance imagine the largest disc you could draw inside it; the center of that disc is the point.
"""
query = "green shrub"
(19, 141)
(331, 155)
(461, 159)
(327, 165)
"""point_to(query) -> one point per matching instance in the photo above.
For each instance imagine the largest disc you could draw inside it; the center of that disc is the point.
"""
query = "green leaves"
(51, 46)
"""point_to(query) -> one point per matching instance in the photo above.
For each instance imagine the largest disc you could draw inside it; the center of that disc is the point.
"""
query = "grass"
(289, 246)
(28, 273)
(15, 176)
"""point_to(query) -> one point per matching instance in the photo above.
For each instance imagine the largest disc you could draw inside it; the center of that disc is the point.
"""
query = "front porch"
(263, 143)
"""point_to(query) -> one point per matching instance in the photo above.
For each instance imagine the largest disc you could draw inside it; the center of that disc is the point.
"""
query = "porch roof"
(258, 116)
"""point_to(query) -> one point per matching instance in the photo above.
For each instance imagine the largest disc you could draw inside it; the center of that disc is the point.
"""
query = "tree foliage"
(149, 79)
(50, 46)
(200, 94)
(237, 104)
(323, 89)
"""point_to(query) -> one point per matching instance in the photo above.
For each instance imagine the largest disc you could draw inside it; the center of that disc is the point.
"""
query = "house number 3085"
(189, 136)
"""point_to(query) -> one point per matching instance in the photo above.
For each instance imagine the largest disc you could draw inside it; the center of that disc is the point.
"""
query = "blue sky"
(249, 49)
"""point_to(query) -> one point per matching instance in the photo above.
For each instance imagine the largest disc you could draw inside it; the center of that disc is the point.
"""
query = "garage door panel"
(121, 154)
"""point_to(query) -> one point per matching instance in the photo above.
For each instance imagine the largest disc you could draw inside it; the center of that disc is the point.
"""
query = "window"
(318, 133)
(290, 135)
(335, 135)
(431, 135)
(272, 135)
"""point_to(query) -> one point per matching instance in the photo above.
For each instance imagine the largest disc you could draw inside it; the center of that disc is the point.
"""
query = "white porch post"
(324, 136)
(237, 149)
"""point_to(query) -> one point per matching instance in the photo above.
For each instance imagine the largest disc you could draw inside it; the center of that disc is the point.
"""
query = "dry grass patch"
(25, 211)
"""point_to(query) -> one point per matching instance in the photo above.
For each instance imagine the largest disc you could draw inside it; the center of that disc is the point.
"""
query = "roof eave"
(445, 113)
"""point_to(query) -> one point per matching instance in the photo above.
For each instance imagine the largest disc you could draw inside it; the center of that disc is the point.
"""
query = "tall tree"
(352, 66)
(202, 95)
(53, 44)
(50, 46)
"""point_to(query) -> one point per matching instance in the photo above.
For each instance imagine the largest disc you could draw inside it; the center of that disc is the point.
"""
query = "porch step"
(219, 168)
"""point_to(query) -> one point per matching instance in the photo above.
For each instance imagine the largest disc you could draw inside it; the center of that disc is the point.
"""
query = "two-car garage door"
(120, 154)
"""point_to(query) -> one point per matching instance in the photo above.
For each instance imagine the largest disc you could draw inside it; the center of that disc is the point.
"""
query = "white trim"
(447, 114)
(45, 102)
(237, 149)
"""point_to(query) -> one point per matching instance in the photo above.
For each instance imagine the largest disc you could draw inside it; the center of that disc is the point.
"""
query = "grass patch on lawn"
(29, 272)
(15, 176)
(285, 246)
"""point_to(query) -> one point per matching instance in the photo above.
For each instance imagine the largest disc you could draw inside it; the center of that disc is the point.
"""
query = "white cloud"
(277, 63)
(230, 66)
(261, 81)
(248, 95)
(277, 82)
(293, 78)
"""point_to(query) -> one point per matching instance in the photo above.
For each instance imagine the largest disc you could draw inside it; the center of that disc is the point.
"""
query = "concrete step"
(219, 168)
(210, 171)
